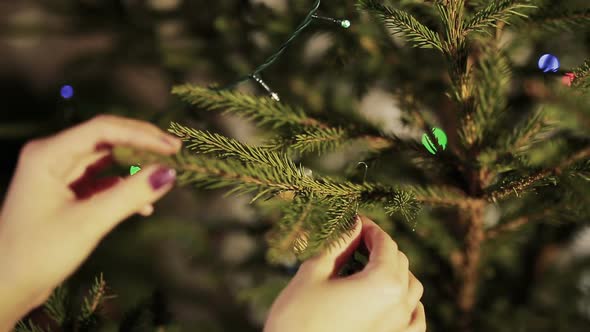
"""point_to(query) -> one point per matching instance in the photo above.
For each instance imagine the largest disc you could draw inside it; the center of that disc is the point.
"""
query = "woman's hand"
(383, 297)
(55, 213)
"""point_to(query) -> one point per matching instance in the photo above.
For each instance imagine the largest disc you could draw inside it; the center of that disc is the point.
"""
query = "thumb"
(103, 211)
(326, 264)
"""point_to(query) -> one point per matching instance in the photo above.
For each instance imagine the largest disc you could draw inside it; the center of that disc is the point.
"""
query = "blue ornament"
(548, 63)
(67, 91)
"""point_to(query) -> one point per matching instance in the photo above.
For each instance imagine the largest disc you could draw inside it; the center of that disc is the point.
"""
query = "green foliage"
(60, 310)
(263, 110)
(27, 327)
(319, 139)
(490, 81)
(404, 204)
(92, 302)
(56, 306)
(582, 75)
(555, 19)
(529, 132)
(404, 24)
(495, 12)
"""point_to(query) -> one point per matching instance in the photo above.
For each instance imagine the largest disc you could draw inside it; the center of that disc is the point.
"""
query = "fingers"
(383, 250)
(111, 130)
(329, 262)
(418, 321)
(103, 211)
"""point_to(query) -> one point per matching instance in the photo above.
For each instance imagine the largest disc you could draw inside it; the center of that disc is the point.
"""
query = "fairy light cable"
(255, 75)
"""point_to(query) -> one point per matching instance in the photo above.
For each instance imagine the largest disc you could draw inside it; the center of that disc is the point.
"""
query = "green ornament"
(441, 140)
(134, 169)
(345, 24)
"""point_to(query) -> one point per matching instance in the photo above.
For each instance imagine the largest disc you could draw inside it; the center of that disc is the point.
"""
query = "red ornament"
(568, 79)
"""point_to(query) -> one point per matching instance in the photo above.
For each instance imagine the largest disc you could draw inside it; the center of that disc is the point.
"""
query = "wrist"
(19, 296)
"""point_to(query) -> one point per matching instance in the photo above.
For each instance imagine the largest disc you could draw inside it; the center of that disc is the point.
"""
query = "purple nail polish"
(161, 177)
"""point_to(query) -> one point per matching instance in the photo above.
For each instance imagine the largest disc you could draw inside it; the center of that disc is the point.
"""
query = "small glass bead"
(345, 24)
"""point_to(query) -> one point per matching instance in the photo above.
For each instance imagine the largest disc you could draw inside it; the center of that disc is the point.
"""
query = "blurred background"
(198, 264)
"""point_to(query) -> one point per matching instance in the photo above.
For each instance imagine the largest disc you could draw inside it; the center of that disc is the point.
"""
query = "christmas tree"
(484, 173)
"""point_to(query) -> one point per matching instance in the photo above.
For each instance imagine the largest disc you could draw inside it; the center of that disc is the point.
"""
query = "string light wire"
(255, 75)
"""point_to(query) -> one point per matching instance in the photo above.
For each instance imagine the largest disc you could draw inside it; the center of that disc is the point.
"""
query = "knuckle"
(30, 149)
(103, 119)
(392, 243)
(404, 261)
(420, 289)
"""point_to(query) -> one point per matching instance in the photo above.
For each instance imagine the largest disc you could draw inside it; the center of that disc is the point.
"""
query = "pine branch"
(451, 14)
(320, 140)
(404, 204)
(251, 177)
(522, 184)
(557, 20)
(402, 23)
(582, 75)
(490, 80)
(289, 235)
(340, 220)
(92, 302)
(206, 142)
(441, 196)
(528, 133)
(27, 327)
(267, 112)
(262, 110)
(495, 12)
(56, 305)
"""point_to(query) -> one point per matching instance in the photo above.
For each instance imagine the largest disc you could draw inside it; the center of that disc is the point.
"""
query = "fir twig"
(320, 140)
(93, 301)
(29, 326)
(495, 12)
(402, 23)
(441, 196)
(56, 305)
(526, 182)
(582, 74)
(263, 110)
(558, 20)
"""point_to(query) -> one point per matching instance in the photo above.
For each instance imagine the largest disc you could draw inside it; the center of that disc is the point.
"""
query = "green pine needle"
(263, 110)
(495, 12)
(582, 75)
(29, 326)
(56, 305)
(404, 24)
(319, 139)
(556, 20)
(93, 302)
(404, 204)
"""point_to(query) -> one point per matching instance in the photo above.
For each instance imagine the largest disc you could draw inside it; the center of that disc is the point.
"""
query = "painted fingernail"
(161, 177)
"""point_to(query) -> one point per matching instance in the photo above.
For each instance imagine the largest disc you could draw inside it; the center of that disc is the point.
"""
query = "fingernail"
(161, 177)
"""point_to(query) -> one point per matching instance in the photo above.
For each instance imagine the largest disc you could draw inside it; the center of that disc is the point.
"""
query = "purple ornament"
(548, 63)
(67, 91)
